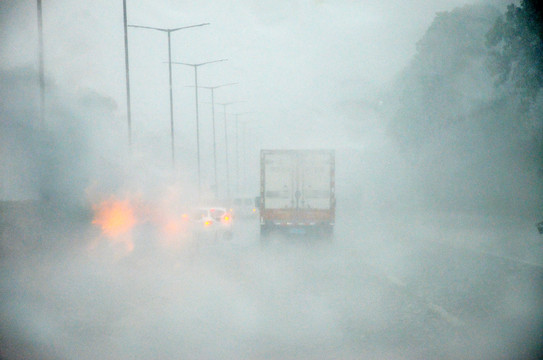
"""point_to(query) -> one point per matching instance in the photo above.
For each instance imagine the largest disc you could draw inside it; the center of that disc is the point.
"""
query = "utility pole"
(195, 66)
(127, 72)
(226, 146)
(244, 153)
(169, 31)
(41, 67)
(237, 148)
(212, 88)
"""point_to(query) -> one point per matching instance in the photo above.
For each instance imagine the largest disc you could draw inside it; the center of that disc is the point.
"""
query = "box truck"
(297, 192)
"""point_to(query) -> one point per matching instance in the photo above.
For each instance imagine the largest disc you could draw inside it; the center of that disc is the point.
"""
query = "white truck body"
(297, 191)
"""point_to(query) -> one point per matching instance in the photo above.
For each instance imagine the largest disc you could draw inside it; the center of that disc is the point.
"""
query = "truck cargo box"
(297, 191)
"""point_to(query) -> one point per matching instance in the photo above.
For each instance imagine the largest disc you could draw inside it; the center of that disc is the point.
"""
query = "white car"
(215, 222)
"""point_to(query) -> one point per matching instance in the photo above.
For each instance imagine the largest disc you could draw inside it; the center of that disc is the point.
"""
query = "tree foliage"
(468, 109)
(516, 49)
(447, 78)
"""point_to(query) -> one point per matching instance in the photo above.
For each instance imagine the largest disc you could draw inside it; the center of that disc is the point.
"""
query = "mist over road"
(434, 114)
(385, 286)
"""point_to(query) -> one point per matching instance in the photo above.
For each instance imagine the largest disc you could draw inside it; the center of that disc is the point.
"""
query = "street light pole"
(244, 153)
(212, 88)
(195, 66)
(127, 72)
(169, 31)
(226, 146)
(237, 149)
(171, 95)
(41, 67)
(237, 156)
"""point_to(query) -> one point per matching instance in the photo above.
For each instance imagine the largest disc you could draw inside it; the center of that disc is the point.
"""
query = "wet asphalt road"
(361, 296)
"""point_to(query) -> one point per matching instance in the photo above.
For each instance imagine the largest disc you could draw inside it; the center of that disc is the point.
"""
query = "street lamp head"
(186, 27)
(147, 27)
(213, 87)
(211, 62)
(166, 30)
(199, 64)
(219, 86)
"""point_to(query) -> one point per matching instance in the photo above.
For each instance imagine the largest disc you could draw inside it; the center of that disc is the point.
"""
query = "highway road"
(371, 293)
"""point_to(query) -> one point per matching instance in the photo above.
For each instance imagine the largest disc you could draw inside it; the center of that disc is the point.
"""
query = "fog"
(438, 183)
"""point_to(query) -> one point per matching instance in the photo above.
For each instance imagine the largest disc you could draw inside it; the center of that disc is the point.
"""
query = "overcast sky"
(295, 62)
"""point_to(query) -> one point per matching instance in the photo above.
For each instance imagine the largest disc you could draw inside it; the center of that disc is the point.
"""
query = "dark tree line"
(446, 82)
(468, 109)
(516, 61)
(516, 49)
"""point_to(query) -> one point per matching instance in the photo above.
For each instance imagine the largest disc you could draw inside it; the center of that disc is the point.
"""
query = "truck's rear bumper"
(319, 229)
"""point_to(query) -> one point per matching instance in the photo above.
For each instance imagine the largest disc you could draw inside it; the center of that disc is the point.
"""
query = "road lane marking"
(444, 314)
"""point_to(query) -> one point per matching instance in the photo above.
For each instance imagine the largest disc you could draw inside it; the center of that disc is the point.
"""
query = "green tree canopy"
(447, 79)
(461, 128)
(516, 44)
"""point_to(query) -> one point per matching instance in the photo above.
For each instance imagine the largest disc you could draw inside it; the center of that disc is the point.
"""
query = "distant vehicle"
(214, 222)
(297, 192)
(244, 207)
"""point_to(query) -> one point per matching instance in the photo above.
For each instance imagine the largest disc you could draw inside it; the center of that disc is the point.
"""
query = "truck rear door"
(314, 180)
(280, 180)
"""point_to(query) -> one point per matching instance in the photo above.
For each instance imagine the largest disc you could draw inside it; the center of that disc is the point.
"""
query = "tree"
(447, 78)
(516, 50)
(471, 143)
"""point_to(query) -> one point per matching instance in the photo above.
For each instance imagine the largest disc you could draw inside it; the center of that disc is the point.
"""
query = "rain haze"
(148, 226)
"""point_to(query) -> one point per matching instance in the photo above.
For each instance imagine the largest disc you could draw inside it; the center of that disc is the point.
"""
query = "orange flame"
(114, 217)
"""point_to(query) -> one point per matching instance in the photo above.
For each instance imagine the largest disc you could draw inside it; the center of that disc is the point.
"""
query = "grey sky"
(281, 46)
(295, 61)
